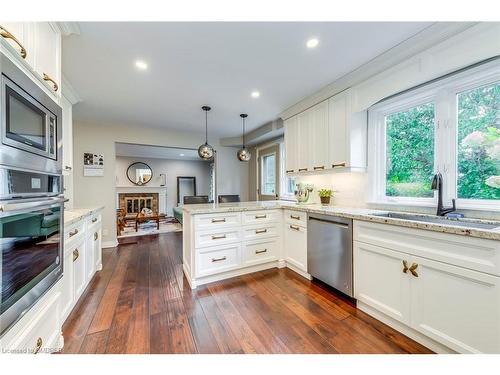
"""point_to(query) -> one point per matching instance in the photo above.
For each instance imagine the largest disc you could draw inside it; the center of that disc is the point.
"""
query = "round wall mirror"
(139, 173)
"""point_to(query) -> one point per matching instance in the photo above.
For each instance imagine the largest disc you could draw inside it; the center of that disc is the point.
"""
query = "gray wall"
(232, 175)
(172, 169)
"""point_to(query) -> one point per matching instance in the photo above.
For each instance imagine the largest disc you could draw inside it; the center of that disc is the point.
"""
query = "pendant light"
(243, 153)
(205, 151)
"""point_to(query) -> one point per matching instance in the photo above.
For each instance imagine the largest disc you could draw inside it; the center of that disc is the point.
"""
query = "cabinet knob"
(46, 77)
(413, 269)
(76, 255)
(405, 266)
(39, 343)
(8, 35)
(96, 236)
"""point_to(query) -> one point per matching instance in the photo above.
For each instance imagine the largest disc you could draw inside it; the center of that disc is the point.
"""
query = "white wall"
(172, 169)
(101, 191)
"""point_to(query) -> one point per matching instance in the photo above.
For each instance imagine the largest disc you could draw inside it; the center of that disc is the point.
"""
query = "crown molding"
(68, 28)
(425, 39)
(69, 92)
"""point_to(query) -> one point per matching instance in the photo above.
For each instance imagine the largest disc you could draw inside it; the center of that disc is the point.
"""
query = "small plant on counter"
(325, 195)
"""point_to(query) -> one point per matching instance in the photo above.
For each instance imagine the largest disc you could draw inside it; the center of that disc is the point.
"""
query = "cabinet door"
(455, 306)
(67, 291)
(79, 276)
(67, 135)
(318, 137)
(89, 258)
(303, 123)
(97, 249)
(295, 242)
(338, 111)
(48, 52)
(291, 144)
(379, 280)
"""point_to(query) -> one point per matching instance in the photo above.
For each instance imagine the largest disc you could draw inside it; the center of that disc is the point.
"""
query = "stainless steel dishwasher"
(329, 251)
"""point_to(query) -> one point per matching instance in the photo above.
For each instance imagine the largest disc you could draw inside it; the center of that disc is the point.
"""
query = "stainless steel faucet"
(437, 184)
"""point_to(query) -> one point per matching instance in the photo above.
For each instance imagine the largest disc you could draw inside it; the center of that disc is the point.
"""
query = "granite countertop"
(364, 214)
(75, 214)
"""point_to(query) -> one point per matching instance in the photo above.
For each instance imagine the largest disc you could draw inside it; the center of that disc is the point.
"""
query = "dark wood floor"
(141, 303)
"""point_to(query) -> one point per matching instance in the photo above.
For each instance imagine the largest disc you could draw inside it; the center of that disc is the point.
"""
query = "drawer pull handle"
(259, 231)
(294, 217)
(218, 237)
(289, 171)
(96, 236)
(319, 168)
(94, 220)
(39, 343)
(413, 269)
(405, 266)
(294, 227)
(260, 216)
(74, 233)
(219, 220)
(218, 259)
(7, 35)
(302, 169)
(338, 165)
(260, 251)
(46, 77)
(76, 255)
(67, 167)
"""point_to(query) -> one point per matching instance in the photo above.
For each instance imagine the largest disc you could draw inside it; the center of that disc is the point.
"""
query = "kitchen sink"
(467, 223)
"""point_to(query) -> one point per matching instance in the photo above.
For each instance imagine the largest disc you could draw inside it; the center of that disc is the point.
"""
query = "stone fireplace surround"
(159, 195)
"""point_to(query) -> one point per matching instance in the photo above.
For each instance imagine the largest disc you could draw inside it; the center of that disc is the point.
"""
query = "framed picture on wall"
(93, 164)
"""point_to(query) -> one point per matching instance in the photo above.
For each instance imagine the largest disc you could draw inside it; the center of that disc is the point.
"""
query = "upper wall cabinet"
(36, 48)
(326, 136)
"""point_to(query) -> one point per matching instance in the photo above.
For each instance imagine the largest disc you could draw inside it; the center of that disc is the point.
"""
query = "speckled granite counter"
(353, 213)
(73, 215)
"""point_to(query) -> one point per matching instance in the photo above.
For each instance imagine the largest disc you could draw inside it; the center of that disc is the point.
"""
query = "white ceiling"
(155, 152)
(219, 64)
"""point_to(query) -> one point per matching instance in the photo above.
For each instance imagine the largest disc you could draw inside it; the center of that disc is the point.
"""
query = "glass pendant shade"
(243, 154)
(205, 151)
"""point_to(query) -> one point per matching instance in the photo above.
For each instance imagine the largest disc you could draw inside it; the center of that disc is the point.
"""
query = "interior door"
(268, 173)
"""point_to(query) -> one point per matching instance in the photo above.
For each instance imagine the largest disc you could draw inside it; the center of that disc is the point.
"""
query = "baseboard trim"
(405, 330)
(108, 244)
(299, 271)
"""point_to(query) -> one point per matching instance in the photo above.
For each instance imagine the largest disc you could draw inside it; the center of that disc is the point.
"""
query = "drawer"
(73, 232)
(217, 237)
(255, 232)
(262, 251)
(41, 334)
(477, 254)
(219, 259)
(260, 217)
(214, 221)
(296, 217)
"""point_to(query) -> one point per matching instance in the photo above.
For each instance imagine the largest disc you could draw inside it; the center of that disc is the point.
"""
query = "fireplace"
(133, 203)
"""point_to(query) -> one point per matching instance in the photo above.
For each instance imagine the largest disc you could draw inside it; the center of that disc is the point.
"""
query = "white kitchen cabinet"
(380, 282)
(79, 272)
(291, 145)
(67, 286)
(318, 137)
(304, 121)
(89, 256)
(98, 248)
(67, 135)
(440, 296)
(47, 49)
(338, 107)
(295, 247)
(455, 306)
(20, 39)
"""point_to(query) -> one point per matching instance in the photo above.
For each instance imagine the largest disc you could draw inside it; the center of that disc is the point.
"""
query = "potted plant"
(325, 195)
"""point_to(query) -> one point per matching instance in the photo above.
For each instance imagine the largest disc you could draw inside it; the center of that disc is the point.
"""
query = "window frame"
(444, 93)
(284, 194)
(262, 180)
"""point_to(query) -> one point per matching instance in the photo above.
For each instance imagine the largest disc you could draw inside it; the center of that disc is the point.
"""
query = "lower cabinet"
(79, 273)
(295, 246)
(454, 306)
(67, 286)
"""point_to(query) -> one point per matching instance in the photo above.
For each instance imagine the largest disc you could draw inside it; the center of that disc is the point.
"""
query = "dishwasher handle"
(341, 225)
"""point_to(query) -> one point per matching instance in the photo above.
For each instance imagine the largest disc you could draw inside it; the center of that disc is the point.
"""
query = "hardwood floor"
(141, 303)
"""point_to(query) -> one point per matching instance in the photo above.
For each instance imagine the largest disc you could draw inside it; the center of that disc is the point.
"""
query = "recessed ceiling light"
(255, 94)
(181, 154)
(141, 65)
(311, 43)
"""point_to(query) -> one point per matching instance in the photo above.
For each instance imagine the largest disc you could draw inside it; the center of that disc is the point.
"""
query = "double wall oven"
(31, 199)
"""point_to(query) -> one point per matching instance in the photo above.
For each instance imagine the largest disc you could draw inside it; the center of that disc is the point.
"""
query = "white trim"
(69, 92)
(108, 244)
(68, 28)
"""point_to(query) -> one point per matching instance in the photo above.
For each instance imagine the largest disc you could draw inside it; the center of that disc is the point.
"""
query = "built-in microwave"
(30, 122)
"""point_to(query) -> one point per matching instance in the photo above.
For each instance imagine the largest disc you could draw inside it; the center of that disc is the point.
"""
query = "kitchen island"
(407, 273)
